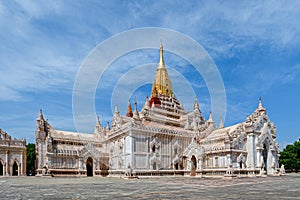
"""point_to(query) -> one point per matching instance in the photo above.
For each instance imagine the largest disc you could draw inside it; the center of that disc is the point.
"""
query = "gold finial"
(161, 56)
(129, 110)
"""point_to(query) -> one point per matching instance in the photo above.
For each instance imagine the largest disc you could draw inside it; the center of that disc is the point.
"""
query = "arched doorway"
(241, 164)
(15, 169)
(176, 166)
(193, 165)
(1, 169)
(154, 165)
(89, 167)
(265, 157)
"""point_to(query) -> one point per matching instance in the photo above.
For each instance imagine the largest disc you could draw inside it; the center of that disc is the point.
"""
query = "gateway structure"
(161, 139)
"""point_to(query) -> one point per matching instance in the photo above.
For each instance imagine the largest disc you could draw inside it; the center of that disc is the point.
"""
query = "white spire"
(196, 104)
(98, 127)
(98, 121)
(260, 107)
(210, 119)
(116, 109)
(135, 112)
(147, 103)
(41, 117)
(221, 123)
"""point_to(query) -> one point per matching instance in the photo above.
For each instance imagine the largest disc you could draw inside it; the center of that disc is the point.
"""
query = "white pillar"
(200, 163)
(19, 169)
(79, 164)
(258, 157)
(251, 151)
(21, 164)
(6, 164)
(229, 161)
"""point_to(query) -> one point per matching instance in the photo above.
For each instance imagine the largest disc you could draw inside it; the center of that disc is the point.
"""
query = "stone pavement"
(284, 187)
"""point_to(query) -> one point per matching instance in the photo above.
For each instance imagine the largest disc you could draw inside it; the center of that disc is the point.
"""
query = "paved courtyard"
(284, 187)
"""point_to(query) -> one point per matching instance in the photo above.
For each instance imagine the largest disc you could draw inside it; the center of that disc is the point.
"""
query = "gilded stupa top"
(162, 82)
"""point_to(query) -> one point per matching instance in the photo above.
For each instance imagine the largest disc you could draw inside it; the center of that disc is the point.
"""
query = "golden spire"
(162, 82)
(129, 110)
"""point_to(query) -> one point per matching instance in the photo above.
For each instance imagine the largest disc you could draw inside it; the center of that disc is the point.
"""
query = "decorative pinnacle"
(116, 109)
(221, 123)
(260, 102)
(196, 104)
(210, 120)
(98, 121)
(41, 114)
(260, 105)
(135, 112)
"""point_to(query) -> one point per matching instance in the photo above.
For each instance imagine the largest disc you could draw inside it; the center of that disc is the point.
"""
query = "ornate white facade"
(12, 155)
(161, 139)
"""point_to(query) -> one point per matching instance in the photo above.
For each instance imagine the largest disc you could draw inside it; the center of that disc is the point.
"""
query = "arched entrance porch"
(89, 167)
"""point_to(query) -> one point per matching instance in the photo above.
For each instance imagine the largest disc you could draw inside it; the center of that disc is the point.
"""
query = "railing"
(16, 143)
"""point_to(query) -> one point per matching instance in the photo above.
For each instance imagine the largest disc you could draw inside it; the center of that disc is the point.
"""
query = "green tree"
(290, 156)
(30, 165)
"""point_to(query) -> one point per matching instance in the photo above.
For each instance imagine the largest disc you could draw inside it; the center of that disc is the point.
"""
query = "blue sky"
(255, 45)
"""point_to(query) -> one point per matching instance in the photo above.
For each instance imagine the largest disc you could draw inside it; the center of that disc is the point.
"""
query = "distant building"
(12, 155)
(161, 139)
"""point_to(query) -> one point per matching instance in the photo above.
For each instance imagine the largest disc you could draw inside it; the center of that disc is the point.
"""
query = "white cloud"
(36, 9)
(8, 94)
(226, 26)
